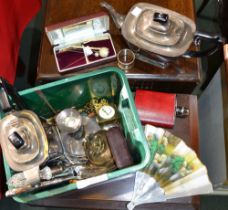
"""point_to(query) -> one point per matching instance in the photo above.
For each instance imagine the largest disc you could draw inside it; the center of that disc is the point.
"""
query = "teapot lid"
(158, 30)
(23, 140)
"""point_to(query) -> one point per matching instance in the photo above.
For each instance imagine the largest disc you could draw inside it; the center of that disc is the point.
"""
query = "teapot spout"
(117, 18)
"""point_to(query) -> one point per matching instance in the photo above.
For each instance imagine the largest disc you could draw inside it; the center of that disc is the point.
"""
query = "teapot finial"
(117, 18)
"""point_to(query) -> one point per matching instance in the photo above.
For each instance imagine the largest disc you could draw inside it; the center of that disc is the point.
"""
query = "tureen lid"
(158, 30)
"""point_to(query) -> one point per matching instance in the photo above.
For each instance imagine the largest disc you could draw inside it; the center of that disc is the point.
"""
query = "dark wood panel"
(181, 78)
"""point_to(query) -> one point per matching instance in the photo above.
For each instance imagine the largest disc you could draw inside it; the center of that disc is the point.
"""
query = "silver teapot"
(158, 35)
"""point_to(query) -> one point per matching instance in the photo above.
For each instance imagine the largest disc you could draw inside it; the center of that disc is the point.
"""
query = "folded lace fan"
(174, 170)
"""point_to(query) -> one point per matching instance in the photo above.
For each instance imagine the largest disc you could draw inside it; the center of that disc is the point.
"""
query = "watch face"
(106, 112)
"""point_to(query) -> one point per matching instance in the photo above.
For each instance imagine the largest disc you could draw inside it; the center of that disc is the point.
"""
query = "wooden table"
(181, 79)
(116, 194)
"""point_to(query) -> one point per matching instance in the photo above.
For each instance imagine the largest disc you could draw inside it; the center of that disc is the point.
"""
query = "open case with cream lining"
(81, 42)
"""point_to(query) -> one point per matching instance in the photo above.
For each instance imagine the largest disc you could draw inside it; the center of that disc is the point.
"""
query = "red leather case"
(156, 108)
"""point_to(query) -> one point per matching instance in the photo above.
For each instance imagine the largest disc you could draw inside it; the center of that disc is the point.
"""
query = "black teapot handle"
(9, 97)
(217, 42)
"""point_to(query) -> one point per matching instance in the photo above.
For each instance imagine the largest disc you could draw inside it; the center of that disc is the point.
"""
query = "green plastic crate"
(76, 91)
